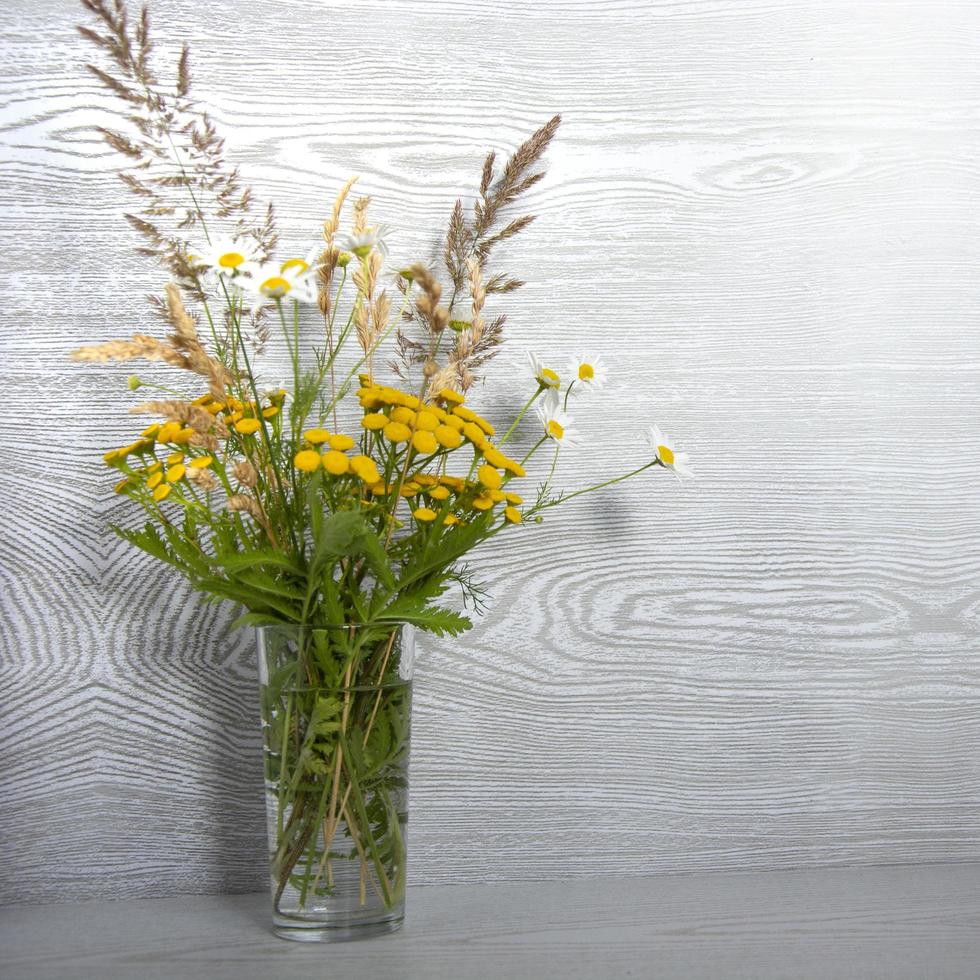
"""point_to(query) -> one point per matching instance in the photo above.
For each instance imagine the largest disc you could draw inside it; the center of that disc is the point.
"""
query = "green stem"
(520, 415)
(599, 486)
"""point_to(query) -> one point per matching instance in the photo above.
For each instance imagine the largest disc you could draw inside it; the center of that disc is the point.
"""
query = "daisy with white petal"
(666, 455)
(273, 282)
(299, 266)
(226, 256)
(558, 425)
(362, 243)
(587, 373)
(545, 376)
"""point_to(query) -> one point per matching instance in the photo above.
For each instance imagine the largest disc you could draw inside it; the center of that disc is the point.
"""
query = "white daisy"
(226, 256)
(589, 373)
(364, 242)
(273, 282)
(557, 424)
(666, 455)
(545, 376)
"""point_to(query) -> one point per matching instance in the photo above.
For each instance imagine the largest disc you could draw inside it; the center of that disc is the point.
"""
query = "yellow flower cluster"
(397, 423)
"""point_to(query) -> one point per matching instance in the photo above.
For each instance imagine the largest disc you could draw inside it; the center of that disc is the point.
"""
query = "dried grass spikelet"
(434, 315)
(205, 440)
(332, 223)
(186, 340)
(445, 377)
(326, 265)
(366, 274)
(203, 478)
(331, 254)
(187, 413)
(241, 502)
(246, 474)
(139, 346)
(182, 349)
(360, 215)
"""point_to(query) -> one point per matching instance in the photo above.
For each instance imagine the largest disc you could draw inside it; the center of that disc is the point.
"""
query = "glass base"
(342, 932)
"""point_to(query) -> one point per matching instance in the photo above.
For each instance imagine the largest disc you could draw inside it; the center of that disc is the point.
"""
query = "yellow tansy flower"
(489, 477)
(475, 434)
(122, 485)
(307, 460)
(316, 436)
(439, 493)
(365, 469)
(176, 472)
(397, 432)
(271, 412)
(154, 479)
(401, 414)
(374, 421)
(162, 492)
(183, 435)
(425, 442)
(335, 462)
(167, 431)
(512, 515)
(450, 519)
(448, 437)
(177, 457)
(513, 498)
(201, 462)
(151, 431)
(482, 502)
(450, 396)
(426, 421)
(425, 514)
(248, 427)
(341, 443)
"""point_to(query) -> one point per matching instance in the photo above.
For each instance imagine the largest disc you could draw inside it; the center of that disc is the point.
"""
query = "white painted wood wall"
(764, 214)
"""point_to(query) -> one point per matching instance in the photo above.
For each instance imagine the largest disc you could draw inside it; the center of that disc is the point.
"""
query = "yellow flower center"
(298, 264)
(586, 372)
(666, 455)
(549, 377)
(231, 260)
(275, 286)
(555, 429)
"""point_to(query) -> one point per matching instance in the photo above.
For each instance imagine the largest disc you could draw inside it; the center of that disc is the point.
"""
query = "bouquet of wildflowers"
(341, 502)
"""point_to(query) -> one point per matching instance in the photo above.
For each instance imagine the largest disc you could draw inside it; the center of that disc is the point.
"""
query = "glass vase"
(336, 714)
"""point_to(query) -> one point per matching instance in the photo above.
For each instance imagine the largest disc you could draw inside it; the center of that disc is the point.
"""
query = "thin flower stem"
(568, 391)
(520, 415)
(599, 486)
(534, 449)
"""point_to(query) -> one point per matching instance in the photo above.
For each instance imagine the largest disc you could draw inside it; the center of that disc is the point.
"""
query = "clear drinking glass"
(336, 721)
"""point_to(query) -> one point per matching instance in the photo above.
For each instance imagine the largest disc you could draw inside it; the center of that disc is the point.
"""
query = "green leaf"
(250, 559)
(347, 535)
(434, 619)
(254, 619)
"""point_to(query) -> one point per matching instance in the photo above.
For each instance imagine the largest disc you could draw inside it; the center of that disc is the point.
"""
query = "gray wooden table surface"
(915, 922)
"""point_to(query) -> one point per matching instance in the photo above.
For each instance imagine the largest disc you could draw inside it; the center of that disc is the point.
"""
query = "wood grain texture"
(822, 924)
(764, 216)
